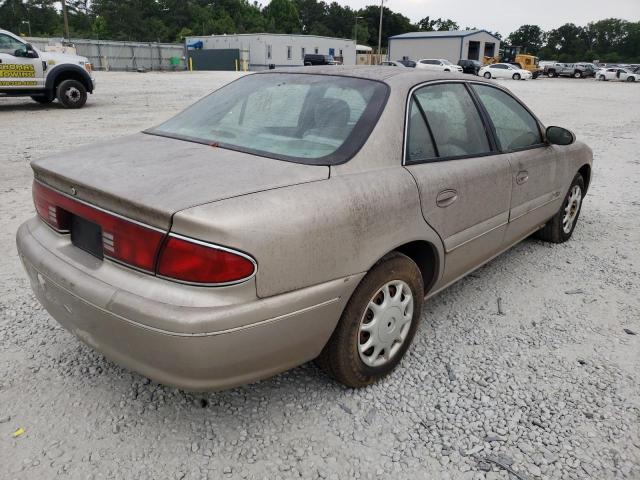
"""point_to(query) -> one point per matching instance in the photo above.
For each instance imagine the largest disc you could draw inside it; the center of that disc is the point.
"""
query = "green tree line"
(609, 40)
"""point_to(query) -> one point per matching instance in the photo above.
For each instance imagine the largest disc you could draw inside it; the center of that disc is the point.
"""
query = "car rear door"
(534, 164)
(464, 185)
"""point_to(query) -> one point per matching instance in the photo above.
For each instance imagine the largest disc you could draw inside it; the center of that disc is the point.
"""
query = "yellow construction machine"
(513, 56)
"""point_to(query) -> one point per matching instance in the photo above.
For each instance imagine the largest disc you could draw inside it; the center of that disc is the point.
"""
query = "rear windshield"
(304, 118)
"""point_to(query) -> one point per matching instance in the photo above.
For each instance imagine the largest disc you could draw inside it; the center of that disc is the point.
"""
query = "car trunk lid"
(148, 178)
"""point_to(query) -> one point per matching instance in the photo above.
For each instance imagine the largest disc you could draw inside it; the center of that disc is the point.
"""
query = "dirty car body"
(221, 248)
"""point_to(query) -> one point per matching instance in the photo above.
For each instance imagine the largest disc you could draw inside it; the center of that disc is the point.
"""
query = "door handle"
(522, 177)
(446, 197)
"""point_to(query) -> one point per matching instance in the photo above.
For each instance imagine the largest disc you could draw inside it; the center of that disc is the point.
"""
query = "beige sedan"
(293, 215)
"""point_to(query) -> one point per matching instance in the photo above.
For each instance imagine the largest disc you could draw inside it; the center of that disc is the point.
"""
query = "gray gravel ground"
(550, 388)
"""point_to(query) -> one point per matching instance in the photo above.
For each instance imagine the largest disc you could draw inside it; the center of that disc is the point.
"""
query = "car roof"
(376, 72)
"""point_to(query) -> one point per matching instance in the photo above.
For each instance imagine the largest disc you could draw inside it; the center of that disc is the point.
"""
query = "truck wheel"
(487, 75)
(560, 227)
(551, 73)
(577, 75)
(72, 94)
(42, 99)
(516, 76)
(377, 325)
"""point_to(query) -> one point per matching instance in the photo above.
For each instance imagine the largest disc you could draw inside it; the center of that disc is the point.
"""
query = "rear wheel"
(42, 99)
(487, 75)
(516, 76)
(560, 228)
(377, 325)
(72, 94)
(577, 75)
(551, 73)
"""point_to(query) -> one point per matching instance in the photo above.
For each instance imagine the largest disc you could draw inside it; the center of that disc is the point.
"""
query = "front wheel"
(631, 79)
(551, 74)
(377, 325)
(487, 75)
(516, 76)
(602, 78)
(72, 94)
(577, 75)
(560, 228)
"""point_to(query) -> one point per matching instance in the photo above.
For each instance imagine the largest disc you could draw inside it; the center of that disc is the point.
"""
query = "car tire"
(560, 227)
(577, 75)
(487, 75)
(602, 78)
(42, 99)
(631, 79)
(71, 94)
(393, 280)
(447, 70)
(516, 76)
(551, 74)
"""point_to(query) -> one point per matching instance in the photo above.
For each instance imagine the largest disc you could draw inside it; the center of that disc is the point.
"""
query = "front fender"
(55, 72)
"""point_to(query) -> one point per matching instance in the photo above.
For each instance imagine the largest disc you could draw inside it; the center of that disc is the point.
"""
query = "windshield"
(314, 119)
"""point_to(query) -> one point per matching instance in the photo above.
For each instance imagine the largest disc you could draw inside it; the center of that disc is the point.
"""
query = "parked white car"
(438, 64)
(619, 74)
(505, 70)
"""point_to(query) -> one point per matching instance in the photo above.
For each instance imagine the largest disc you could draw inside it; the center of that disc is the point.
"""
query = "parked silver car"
(293, 215)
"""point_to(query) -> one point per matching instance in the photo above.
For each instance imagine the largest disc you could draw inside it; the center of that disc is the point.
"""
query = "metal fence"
(122, 56)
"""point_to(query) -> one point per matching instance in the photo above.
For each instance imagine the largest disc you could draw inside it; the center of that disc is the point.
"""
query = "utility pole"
(66, 19)
(28, 24)
(355, 36)
(380, 28)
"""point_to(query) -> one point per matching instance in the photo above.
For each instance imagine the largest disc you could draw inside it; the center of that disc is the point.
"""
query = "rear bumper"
(195, 347)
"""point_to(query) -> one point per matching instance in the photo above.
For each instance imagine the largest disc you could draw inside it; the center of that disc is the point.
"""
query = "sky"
(506, 16)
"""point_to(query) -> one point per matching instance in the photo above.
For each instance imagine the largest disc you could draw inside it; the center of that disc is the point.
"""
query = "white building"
(260, 50)
(452, 45)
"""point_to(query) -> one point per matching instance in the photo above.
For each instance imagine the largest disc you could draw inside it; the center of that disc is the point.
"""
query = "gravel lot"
(550, 388)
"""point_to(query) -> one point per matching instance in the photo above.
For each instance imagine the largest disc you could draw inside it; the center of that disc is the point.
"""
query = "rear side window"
(515, 127)
(453, 119)
(419, 142)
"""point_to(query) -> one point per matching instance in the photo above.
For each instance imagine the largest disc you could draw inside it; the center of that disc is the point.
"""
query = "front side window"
(454, 120)
(10, 45)
(313, 119)
(515, 127)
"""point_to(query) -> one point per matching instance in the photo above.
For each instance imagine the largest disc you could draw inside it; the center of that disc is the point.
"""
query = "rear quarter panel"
(312, 233)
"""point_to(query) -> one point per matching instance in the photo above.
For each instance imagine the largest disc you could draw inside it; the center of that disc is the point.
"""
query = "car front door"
(499, 71)
(464, 186)
(536, 190)
(17, 71)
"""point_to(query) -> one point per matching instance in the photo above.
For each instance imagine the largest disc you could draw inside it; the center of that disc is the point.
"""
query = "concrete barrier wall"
(121, 56)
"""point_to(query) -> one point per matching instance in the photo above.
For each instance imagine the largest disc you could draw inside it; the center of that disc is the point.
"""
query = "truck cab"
(44, 76)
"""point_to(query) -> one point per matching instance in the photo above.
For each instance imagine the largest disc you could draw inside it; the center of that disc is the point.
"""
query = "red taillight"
(191, 261)
(122, 240)
(48, 207)
(182, 259)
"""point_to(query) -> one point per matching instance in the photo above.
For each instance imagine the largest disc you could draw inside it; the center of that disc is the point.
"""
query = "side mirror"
(30, 51)
(560, 136)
